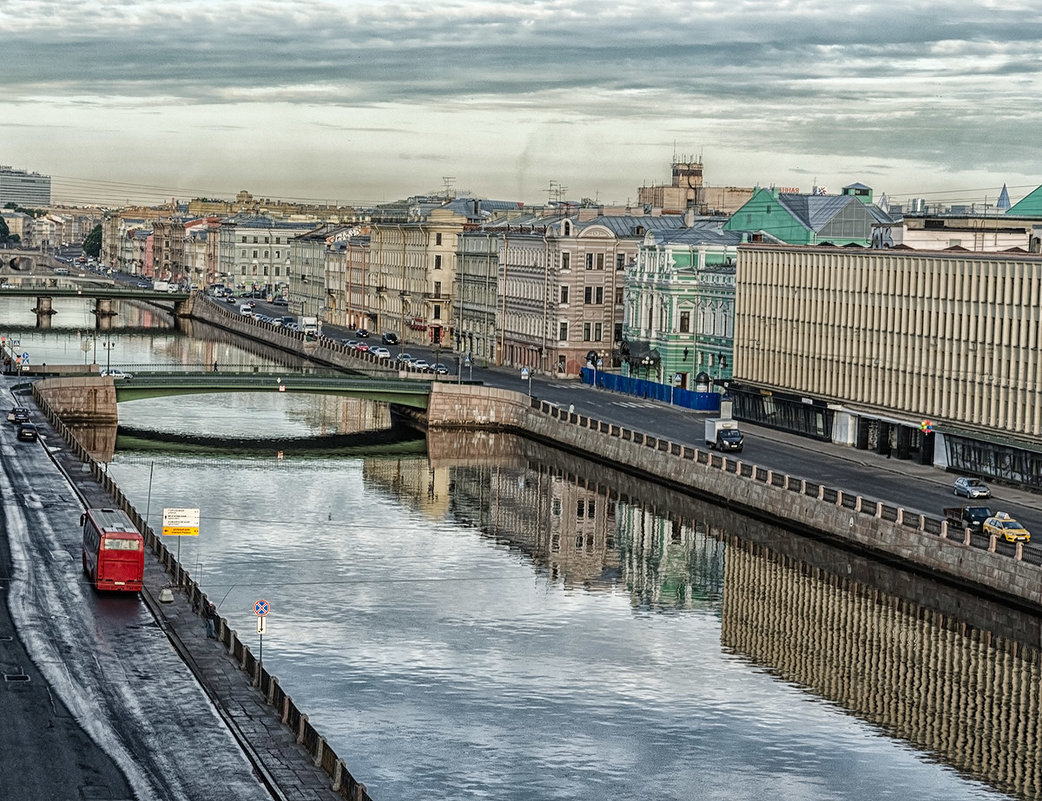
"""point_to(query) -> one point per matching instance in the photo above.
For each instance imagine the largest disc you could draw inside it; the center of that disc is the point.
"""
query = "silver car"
(972, 488)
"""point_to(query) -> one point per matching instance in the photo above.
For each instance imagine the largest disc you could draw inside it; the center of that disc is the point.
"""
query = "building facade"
(933, 356)
(255, 252)
(24, 188)
(477, 296)
(679, 306)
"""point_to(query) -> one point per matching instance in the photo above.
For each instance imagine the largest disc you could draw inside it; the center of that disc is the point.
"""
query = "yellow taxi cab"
(1002, 525)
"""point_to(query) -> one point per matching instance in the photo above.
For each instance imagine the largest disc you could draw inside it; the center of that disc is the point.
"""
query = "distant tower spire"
(1003, 204)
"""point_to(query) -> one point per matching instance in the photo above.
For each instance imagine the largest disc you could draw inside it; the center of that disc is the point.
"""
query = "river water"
(478, 617)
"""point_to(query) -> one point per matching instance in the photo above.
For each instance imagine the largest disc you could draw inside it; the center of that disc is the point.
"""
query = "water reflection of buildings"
(670, 562)
(574, 526)
(962, 693)
(563, 526)
(412, 480)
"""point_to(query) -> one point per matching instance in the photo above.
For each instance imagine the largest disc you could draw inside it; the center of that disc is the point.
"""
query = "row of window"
(267, 254)
(267, 240)
(592, 332)
(592, 295)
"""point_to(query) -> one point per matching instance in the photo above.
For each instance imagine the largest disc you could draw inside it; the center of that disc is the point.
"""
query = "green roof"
(1030, 206)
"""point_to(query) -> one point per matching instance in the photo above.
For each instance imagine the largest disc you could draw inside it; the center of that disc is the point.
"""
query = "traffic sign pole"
(261, 608)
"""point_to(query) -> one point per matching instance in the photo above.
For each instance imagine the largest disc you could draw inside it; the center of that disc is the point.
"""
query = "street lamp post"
(108, 346)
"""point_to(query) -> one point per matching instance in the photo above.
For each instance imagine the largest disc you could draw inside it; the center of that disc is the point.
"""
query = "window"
(564, 293)
(599, 296)
(562, 332)
(437, 311)
(588, 295)
(580, 509)
(590, 506)
(597, 332)
(555, 507)
(437, 239)
(437, 262)
(618, 296)
(620, 261)
(437, 289)
(600, 261)
(566, 261)
(589, 261)
(685, 322)
(586, 332)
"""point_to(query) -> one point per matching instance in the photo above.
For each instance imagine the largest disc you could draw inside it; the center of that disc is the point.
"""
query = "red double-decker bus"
(113, 550)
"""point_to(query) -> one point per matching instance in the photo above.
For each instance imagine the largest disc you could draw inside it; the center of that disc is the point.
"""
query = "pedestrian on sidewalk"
(210, 613)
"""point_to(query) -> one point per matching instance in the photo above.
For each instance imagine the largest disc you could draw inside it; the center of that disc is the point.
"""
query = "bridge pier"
(43, 307)
(103, 308)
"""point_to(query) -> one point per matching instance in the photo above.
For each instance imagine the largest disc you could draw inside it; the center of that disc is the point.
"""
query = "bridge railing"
(152, 369)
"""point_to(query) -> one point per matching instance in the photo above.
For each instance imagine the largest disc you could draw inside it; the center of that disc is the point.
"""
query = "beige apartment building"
(561, 281)
(933, 356)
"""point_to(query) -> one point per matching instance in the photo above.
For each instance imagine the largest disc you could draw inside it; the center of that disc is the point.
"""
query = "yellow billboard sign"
(180, 522)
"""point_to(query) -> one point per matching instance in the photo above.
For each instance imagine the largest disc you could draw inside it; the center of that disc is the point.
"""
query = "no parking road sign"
(261, 608)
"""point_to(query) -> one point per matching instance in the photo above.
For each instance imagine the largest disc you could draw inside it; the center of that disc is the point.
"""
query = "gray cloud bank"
(952, 87)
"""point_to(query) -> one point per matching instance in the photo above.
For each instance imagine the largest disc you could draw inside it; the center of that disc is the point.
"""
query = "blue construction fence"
(642, 388)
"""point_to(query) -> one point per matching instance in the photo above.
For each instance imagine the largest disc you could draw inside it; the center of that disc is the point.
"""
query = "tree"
(92, 244)
(5, 232)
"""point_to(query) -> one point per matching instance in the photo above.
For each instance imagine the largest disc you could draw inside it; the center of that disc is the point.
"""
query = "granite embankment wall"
(341, 780)
(90, 399)
(889, 532)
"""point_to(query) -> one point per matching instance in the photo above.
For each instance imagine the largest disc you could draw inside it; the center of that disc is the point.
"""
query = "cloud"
(942, 86)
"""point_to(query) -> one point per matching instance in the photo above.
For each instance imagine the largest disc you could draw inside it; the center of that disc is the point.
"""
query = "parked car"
(117, 375)
(404, 359)
(361, 347)
(18, 415)
(361, 333)
(280, 302)
(1002, 525)
(28, 432)
(380, 352)
(440, 368)
(972, 488)
(390, 338)
(420, 364)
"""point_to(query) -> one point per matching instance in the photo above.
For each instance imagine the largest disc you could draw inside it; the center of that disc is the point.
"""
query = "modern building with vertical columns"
(865, 346)
(29, 189)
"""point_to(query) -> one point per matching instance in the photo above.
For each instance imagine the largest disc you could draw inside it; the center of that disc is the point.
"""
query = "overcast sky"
(363, 102)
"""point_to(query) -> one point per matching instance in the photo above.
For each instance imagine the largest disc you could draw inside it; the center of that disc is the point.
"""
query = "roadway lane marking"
(631, 405)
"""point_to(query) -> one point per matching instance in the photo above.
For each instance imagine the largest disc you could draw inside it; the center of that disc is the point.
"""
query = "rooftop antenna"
(450, 185)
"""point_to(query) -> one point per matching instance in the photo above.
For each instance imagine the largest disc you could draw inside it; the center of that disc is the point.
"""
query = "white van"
(246, 310)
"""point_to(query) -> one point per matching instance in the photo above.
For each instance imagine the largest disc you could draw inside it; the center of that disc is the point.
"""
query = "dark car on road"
(18, 415)
(28, 432)
(390, 338)
(361, 333)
